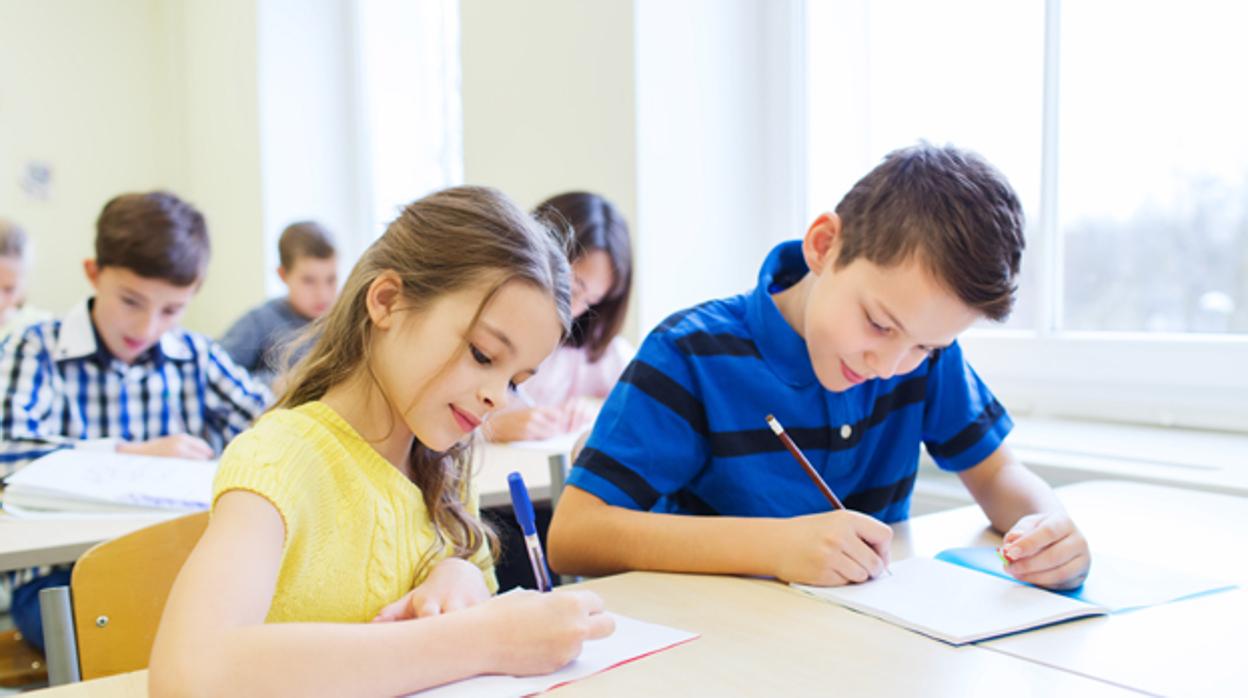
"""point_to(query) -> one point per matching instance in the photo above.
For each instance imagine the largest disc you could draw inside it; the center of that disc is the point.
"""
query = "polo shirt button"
(846, 431)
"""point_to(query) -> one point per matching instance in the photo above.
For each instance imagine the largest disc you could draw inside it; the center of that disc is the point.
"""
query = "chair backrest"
(119, 589)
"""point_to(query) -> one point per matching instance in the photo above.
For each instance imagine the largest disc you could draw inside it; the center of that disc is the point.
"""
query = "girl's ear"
(822, 242)
(384, 294)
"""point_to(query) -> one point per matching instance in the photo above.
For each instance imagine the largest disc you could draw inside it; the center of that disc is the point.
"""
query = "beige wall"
(548, 99)
(132, 95)
(120, 95)
(221, 126)
(83, 89)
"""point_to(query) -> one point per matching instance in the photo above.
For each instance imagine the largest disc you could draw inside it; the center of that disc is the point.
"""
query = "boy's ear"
(92, 270)
(822, 242)
(383, 298)
(281, 273)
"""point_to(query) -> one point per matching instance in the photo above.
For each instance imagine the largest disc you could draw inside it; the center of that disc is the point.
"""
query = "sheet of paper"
(953, 603)
(632, 640)
(1115, 583)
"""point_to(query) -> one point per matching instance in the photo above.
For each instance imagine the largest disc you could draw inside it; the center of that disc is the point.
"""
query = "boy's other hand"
(832, 549)
(535, 633)
(176, 446)
(1047, 550)
(453, 584)
(531, 424)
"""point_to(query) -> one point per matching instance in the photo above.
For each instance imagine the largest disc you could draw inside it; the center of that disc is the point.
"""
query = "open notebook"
(95, 481)
(964, 595)
(953, 603)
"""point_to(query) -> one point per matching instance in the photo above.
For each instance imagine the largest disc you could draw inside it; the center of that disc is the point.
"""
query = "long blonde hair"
(442, 243)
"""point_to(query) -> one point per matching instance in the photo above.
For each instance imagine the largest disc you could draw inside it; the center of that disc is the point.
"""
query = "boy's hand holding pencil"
(831, 549)
(842, 547)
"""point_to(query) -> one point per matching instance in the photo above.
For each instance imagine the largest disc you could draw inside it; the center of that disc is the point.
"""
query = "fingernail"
(1010, 554)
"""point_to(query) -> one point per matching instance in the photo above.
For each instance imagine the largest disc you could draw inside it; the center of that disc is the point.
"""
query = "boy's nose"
(884, 363)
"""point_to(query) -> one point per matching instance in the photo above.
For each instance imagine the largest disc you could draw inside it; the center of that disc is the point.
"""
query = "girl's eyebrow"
(502, 337)
(499, 334)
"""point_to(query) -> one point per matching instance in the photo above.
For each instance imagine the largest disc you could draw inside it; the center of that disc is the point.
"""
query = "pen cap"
(521, 504)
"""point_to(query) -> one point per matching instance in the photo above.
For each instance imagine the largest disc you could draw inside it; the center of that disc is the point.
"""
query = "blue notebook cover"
(1116, 583)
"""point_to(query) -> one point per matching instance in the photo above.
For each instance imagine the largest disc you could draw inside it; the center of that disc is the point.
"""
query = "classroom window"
(1153, 167)
(411, 125)
(1121, 127)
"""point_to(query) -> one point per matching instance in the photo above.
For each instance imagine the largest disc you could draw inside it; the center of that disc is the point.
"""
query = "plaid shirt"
(61, 388)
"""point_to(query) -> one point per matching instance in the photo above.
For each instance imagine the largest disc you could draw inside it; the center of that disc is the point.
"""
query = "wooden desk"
(1192, 647)
(763, 638)
(493, 462)
(760, 638)
(34, 542)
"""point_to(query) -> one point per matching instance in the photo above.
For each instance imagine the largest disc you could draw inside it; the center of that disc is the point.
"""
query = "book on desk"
(102, 482)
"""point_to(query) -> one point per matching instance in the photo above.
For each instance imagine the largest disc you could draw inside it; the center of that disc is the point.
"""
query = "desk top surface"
(761, 636)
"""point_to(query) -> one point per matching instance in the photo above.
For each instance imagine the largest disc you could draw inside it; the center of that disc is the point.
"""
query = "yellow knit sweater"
(356, 528)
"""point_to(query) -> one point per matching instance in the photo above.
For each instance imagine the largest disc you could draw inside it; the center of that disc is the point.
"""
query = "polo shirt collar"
(781, 346)
(79, 340)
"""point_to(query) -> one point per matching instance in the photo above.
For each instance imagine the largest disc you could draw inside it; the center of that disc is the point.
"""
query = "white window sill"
(1064, 451)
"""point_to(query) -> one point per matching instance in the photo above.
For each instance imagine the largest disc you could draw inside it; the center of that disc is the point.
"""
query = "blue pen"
(523, 506)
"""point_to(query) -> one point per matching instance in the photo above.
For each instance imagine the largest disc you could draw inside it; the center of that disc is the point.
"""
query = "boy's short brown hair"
(304, 239)
(948, 207)
(155, 235)
(12, 239)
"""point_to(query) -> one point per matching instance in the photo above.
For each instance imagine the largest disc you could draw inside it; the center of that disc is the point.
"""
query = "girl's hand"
(533, 633)
(453, 584)
(832, 549)
(579, 412)
(1047, 550)
(531, 424)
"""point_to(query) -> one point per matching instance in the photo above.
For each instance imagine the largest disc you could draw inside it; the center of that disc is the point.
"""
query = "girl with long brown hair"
(351, 501)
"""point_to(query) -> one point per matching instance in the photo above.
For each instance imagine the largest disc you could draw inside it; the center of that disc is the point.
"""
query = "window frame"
(1191, 380)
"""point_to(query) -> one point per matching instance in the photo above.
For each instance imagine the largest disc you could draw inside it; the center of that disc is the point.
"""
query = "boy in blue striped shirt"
(117, 373)
(850, 340)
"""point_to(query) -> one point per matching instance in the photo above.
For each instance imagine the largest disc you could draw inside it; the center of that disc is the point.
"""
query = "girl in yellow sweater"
(351, 501)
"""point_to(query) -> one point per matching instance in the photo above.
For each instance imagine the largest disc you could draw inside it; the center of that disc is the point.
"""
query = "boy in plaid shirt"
(117, 373)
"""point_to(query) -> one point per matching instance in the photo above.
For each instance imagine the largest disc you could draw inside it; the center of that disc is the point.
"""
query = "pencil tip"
(771, 418)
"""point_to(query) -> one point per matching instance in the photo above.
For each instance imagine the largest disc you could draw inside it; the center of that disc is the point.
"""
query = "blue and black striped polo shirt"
(684, 430)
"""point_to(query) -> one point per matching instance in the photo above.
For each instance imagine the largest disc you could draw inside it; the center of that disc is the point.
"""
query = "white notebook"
(95, 481)
(953, 603)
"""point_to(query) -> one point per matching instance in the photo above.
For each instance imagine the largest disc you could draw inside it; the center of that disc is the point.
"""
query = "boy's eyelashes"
(881, 329)
(884, 330)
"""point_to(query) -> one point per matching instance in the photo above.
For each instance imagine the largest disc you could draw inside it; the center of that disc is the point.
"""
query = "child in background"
(117, 373)
(352, 501)
(849, 339)
(309, 268)
(567, 392)
(14, 261)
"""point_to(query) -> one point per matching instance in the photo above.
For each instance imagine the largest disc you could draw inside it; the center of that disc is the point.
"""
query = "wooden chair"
(115, 598)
